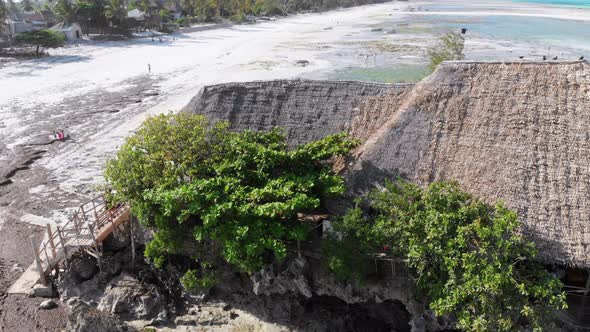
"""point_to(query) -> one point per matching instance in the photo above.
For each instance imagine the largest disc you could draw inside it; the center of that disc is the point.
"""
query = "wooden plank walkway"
(90, 225)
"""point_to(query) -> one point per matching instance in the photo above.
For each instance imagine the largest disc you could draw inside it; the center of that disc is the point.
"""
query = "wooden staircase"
(85, 231)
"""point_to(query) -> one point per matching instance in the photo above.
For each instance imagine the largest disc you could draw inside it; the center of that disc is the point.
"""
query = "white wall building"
(72, 32)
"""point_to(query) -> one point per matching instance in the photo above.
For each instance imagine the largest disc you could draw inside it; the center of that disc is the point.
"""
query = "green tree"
(164, 14)
(27, 5)
(188, 7)
(12, 7)
(85, 12)
(40, 39)
(449, 47)
(235, 195)
(115, 12)
(64, 11)
(465, 255)
(3, 15)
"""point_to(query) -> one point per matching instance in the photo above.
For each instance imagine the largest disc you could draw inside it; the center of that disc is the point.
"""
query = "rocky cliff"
(295, 295)
(514, 132)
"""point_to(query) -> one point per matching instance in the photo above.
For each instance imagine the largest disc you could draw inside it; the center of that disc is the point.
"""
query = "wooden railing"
(92, 222)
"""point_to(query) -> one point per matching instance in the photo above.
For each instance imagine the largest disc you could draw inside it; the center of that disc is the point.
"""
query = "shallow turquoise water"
(577, 3)
(545, 32)
(384, 74)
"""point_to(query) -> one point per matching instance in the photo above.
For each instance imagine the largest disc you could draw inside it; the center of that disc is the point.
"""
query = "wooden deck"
(92, 223)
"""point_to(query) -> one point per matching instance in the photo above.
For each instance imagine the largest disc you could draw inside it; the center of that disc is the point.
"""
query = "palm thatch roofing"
(513, 132)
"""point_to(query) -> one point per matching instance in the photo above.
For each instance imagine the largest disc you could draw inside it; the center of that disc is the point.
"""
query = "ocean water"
(569, 36)
(545, 32)
(576, 3)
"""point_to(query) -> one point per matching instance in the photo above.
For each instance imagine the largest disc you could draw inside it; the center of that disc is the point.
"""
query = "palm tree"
(64, 11)
(27, 5)
(3, 15)
(12, 8)
(115, 11)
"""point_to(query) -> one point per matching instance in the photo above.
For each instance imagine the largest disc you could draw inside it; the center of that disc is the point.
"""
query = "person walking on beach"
(149, 68)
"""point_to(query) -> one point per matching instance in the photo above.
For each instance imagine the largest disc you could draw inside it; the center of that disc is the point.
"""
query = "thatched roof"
(306, 110)
(517, 132)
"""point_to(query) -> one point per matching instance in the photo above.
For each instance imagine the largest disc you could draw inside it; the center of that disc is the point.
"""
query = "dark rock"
(118, 240)
(69, 286)
(292, 280)
(83, 318)
(125, 295)
(302, 63)
(48, 305)
(83, 268)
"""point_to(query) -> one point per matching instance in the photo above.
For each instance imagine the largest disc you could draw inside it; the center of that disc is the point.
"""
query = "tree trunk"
(37, 50)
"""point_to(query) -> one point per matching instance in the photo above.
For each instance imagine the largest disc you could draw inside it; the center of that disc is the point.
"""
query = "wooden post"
(38, 261)
(112, 222)
(376, 268)
(132, 241)
(51, 243)
(94, 209)
(76, 225)
(95, 245)
(63, 244)
(83, 212)
(47, 258)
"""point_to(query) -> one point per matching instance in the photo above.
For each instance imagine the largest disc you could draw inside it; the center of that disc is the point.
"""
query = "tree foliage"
(40, 39)
(115, 11)
(3, 15)
(211, 9)
(11, 6)
(87, 13)
(27, 5)
(465, 255)
(449, 47)
(65, 11)
(238, 193)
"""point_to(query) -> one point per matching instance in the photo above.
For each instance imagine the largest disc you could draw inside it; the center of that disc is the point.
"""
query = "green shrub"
(465, 255)
(194, 281)
(238, 18)
(41, 38)
(183, 22)
(450, 47)
(196, 183)
(259, 9)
